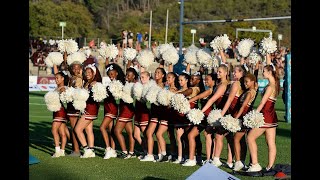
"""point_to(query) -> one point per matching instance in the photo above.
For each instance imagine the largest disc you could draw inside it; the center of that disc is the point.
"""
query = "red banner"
(46, 80)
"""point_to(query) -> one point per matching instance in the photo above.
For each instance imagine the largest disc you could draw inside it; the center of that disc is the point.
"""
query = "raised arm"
(170, 68)
(55, 69)
(223, 56)
(220, 91)
(244, 104)
(232, 94)
(201, 96)
(188, 68)
(268, 56)
(264, 99)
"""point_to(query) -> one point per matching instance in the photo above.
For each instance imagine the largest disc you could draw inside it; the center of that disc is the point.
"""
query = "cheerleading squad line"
(226, 111)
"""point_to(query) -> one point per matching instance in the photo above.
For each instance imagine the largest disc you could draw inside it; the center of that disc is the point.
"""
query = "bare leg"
(118, 132)
(237, 147)
(111, 137)
(179, 132)
(89, 132)
(251, 139)
(208, 144)
(55, 132)
(75, 143)
(81, 125)
(129, 131)
(105, 122)
(272, 149)
(162, 143)
(192, 142)
(63, 135)
(150, 142)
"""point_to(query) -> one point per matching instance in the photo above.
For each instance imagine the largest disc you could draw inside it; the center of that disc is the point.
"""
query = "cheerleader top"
(253, 93)
(76, 81)
(273, 95)
(195, 92)
(239, 91)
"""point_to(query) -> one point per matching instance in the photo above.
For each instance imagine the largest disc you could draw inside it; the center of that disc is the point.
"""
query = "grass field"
(41, 146)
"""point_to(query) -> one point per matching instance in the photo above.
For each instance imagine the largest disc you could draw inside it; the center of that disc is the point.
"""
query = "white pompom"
(164, 97)
(77, 56)
(99, 92)
(67, 95)
(253, 119)
(111, 51)
(170, 56)
(195, 116)
(52, 100)
(145, 58)
(127, 92)
(231, 124)
(214, 117)
(267, 45)
(127, 98)
(115, 88)
(191, 57)
(152, 93)
(102, 52)
(137, 90)
(245, 47)
(54, 58)
(70, 46)
(180, 103)
(204, 57)
(129, 54)
(80, 94)
(79, 105)
(254, 57)
(146, 88)
(220, 43)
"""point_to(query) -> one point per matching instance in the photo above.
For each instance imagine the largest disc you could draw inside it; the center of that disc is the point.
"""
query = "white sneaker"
(216, 163)
(254, 168)
(189, 162)
(88, 153)
(113, 153)
(229, 165)
(177, 161)
(58, 154)
(140, 157)
(148, 158)
(238, 166)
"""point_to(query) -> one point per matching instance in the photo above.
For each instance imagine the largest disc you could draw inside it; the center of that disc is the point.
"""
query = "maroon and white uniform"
(76, 82)
(126, 112)
(248, 107)
(268, 110)
(142, 114)
(110, 107)
(92, 107)
(235, 103)
(180, 119)
(61, 115)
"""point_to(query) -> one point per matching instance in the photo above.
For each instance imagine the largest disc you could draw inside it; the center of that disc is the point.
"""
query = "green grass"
(41, 146)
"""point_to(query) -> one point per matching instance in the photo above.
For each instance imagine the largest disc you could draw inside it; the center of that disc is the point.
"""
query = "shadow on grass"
(152, 178)
(41, 138)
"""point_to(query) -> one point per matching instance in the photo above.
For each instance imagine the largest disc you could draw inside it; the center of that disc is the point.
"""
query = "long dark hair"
(116, 67)
(65, 76)
(164, 73)
(275, 75)
(187, 77)
(97, 77)
(176, 79)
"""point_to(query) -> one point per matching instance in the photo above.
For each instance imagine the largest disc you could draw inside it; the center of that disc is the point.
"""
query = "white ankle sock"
(131, 152)
(164, 153)
(57, 148)
(180, 158)
(216, 159)
(108, 148)
(62, 150)
(126, 152)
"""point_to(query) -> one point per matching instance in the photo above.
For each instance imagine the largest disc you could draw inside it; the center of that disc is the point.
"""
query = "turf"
(41, 146)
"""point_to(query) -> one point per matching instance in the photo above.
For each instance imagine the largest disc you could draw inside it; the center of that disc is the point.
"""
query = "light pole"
(279, 39)
(62, 24)
(193, 31)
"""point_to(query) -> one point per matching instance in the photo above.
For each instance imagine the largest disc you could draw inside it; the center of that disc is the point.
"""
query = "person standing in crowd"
(114, 72)
(90, 113)
(139, 41)
(266, 107)
(130, 39)
(59, 126)
(146, 40)
(124, 36)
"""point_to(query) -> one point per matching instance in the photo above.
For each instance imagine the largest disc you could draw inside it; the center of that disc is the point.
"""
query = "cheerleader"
(172, 85)
(190, 87)
(125, 119)
(266, 106)
(245, 106)
(60, 117)
(219, 98)
(210, 82)
(231, 107)
(114, 72)
(90, 113)
(160, 78)
(76, 81)
(141, 116)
